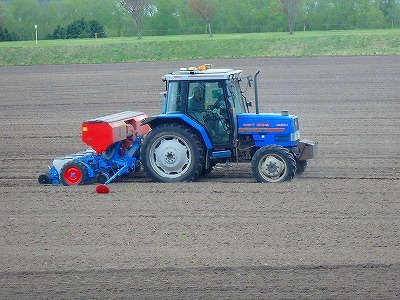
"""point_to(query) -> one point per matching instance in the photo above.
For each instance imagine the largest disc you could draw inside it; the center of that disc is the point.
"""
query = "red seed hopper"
(100, 133)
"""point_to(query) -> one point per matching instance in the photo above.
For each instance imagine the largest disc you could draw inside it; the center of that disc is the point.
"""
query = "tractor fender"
(155, 121)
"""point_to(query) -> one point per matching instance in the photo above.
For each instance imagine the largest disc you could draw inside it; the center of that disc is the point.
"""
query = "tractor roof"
(204, 72)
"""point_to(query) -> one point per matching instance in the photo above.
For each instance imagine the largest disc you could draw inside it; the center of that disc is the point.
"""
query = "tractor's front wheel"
(273, 164)
(73, 173)
(172, 153)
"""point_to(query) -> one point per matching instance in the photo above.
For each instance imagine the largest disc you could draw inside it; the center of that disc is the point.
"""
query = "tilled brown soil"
(331, 233)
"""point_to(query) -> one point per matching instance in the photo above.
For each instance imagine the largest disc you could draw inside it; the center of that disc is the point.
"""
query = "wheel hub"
(170, 157)
(272, 166)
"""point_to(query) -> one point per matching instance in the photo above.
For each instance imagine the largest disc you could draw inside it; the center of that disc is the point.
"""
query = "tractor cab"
(210, 97)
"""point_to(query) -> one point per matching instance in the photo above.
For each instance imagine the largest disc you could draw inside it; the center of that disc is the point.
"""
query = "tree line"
(115, 18)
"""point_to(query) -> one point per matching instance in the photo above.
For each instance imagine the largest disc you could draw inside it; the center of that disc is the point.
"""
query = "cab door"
(236, 105)
(214, 115)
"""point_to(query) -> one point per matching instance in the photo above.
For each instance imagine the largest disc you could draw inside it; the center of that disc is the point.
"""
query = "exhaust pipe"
(256, 92)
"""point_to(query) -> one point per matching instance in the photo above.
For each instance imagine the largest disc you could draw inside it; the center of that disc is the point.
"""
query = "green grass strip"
(157, 48)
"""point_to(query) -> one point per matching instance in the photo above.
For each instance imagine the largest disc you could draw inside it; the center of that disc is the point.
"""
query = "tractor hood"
(267, 122)
(270, 127)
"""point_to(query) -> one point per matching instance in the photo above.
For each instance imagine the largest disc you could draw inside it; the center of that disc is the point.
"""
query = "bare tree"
(204, 9)
(137, 8)
(290, 8)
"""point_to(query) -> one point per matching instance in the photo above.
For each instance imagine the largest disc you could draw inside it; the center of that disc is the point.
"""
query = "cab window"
(235, 97)
(173, 99)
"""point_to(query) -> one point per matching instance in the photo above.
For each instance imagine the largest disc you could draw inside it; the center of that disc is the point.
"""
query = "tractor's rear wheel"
(74, 173)
(273, 164)
(172, 153)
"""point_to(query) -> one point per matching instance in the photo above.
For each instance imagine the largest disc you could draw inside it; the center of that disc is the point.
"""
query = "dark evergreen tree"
(77, 29)
(6, 35)
(80, 29)
(59, 33)
(96, 29)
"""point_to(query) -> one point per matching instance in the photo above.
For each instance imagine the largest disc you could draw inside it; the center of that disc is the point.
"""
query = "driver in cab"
(197, 101)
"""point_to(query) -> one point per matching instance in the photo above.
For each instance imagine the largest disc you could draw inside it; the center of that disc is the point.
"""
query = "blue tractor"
(206, 121)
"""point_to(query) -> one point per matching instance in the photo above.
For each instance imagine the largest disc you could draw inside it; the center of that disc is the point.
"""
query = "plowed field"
(333, 232)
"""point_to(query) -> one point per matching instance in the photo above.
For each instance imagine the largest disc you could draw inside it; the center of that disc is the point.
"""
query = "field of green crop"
(312, 43)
